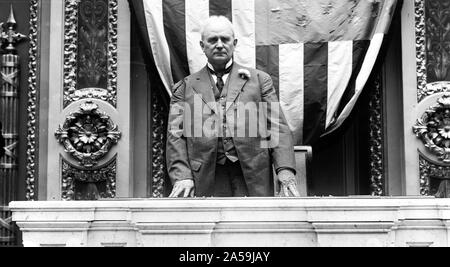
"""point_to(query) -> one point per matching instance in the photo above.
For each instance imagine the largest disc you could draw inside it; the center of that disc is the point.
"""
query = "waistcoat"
(226, 148)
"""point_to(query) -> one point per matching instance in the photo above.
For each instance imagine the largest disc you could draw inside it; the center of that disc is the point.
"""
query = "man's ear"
(202, 45)
(235, 42)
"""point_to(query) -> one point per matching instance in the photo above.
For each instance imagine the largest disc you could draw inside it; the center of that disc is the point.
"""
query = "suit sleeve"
(281, 143)
(176, 149)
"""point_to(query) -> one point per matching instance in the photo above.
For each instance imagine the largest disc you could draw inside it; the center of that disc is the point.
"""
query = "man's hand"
(184, 187)
(288, 184)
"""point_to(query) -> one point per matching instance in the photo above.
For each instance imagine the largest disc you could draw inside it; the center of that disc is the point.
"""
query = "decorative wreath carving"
(88, 134)
(433, 128)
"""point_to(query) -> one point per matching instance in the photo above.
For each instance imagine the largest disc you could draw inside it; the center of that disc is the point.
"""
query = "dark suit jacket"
(191, 157)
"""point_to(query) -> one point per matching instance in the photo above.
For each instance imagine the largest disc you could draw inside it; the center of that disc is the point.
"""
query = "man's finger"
(171, 193)
(294, 190)
(175, 192)
(192, 192)
(186, 192)
(285, 191)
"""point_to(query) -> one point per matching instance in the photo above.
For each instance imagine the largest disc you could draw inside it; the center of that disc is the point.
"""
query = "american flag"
(320, 53)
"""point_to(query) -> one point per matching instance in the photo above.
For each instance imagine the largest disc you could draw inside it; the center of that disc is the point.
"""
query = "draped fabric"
(319, 53)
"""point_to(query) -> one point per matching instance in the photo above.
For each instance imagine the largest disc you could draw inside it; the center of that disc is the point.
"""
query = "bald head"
(214, 22)
(218, 41)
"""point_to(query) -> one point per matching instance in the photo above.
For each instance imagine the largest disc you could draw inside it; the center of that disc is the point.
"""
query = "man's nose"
(219, 44)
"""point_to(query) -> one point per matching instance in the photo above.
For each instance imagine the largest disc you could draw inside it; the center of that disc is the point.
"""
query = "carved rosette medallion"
(433, 128)
(88, 134)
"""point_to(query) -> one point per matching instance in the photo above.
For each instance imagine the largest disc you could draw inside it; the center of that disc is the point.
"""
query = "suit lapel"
(235, 85)
(203, 88)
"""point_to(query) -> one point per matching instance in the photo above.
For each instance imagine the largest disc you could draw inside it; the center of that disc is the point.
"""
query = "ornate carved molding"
(92, 184)
(432, 47)
(436, 87)
(419, 8)
(376, 139)
(70, 49)
(433, 128)
(92, 44)
(437, 35)
(32, 123)
(97, 40)
(434, 179)
(112, 50)
(159, 129)
(424, 167)
(88, 134)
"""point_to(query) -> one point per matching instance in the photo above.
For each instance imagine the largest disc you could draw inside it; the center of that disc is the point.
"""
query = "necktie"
(220, 83)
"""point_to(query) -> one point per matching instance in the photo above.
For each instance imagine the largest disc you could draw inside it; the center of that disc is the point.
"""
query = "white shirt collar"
(226, 66)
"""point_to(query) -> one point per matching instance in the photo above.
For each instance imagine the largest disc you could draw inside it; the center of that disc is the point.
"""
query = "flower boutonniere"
(244, 74)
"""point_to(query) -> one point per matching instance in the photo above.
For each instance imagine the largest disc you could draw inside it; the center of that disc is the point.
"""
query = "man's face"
(218, 43)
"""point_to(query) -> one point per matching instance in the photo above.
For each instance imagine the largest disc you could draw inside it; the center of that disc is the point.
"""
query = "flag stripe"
(340, 60)
(316, 85)
(267, 60)
(220, 8)
(369, 61)
(363, 76)
(244, 26)
(158, 42)
(318, 53)
(197, 11)
(140, 24)
(292, 87)
(174, 28)
(359, 52)
(262, 25)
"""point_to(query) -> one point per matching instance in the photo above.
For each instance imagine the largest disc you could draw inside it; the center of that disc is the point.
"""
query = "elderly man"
(226, 164)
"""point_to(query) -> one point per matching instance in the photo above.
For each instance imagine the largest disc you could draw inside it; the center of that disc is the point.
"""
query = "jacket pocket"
(195, 165)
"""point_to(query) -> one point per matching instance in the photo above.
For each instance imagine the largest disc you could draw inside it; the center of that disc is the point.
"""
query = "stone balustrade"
(260, 222)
